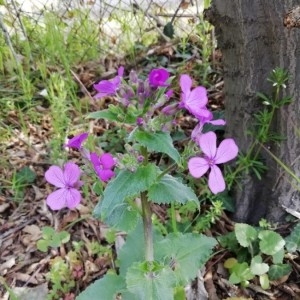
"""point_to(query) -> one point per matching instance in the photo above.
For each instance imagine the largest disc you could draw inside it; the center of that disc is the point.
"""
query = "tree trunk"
(254, 41)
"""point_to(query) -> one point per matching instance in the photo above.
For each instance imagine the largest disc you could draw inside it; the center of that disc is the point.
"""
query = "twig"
(150, 17)
(21, 25)
(84, 89)
(7, 39)
(172, 15)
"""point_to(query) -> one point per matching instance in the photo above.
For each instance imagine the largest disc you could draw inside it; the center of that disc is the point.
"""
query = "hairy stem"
(148, 231)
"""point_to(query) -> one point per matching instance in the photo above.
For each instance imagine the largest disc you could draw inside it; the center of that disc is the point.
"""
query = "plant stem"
(173, 218)
(148, 231)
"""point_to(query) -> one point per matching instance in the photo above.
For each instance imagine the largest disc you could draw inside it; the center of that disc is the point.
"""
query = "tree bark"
(254, 41)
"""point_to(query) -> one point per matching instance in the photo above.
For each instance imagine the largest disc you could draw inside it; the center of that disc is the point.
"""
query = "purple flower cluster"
(67, 179)
(195, 101)
(144, 98)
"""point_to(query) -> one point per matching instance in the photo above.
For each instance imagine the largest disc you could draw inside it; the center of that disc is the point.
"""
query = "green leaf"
(264, 281)
(170, 189)
(179, 293)
(240, 273)
(105, 288)
(64, 236)
(230, 263)
(134, 248)
(42, 245)
(150, 285)
(126, 184)
(187, 253)
(48, 232)
(257, 267)
(270, 242)
(245, 234)
(104, 114)
(278, 256)
(278, 271)
(25, 176)
(293, 240)
(157, 141)
(169, 30)
(123, 217)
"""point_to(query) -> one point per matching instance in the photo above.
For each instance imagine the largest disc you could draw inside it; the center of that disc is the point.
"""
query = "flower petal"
(185, 83)
(55, 176)
(198, 97)
(94, 160)
(197, 131)
(73, 198)
(217, 122)
(216, 181)
(106, 87)
(105, 175)
(207, 143)
(77, 140)
(198, 166)
(71, 174)
(57, 199)
(121, 71)
(158, 77)
(107, 161)
(200, 113)
(226, 151)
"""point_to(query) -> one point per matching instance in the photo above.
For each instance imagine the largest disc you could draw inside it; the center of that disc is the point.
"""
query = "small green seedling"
(51, 238)
(259, 252)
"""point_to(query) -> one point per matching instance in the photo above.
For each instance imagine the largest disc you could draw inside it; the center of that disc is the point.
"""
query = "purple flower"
(109, 87)
(194, 100)
(158, 77)
(67, 180)
(139, 121)
(77, 141)
(198, 166)
(170, 109)
(169, 94)
(103, 165)
(197, 131)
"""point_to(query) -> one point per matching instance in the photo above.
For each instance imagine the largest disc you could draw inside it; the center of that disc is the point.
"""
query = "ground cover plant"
(119, 188)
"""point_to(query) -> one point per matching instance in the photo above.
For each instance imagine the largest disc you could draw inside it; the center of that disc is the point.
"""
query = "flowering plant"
(150, 268)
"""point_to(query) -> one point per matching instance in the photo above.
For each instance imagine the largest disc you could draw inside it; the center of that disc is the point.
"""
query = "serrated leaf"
(245, 234)
(293, 240)
(186, 260)
(105, 288)
(270, 242)
(150, 285)
(134, 248)
(123, 217)
(157, 141)
(103, 114)
(169, 189)
(126, 184)
(257, 267)
(278, 271)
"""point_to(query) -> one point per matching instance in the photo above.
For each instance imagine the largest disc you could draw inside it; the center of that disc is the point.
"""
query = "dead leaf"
(8, 264)
(4, 207)
(25, 293)
(25, 278)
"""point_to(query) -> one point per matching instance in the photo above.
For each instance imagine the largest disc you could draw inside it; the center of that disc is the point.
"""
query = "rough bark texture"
(253, 40)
